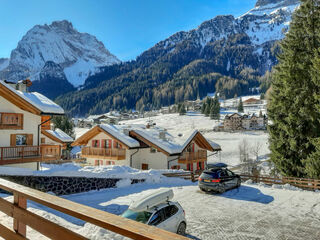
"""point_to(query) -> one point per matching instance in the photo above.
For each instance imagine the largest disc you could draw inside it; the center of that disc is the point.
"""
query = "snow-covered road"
(250, 212)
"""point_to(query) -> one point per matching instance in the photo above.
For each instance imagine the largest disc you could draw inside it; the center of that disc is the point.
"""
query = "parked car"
(218, 178)
(157, 210)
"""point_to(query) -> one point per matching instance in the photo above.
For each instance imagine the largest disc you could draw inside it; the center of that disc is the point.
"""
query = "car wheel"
(182, 229)
(203, 190)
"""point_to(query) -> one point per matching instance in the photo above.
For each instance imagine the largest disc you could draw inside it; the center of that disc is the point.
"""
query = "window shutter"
(114, 144)
(30, 139)
(110, 143)
(92, 143)
(13, 140)
(98, 143)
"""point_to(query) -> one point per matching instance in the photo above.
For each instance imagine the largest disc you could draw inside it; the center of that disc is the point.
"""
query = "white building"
(23, 117)
(144, 148)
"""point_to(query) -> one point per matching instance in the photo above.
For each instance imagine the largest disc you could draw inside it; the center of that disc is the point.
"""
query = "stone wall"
(65, 185)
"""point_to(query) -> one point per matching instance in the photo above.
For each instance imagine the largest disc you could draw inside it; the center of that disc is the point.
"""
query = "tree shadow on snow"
(246, 193)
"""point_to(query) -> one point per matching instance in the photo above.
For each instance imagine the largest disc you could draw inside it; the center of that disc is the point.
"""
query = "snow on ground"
(229, 142)
(251, 212)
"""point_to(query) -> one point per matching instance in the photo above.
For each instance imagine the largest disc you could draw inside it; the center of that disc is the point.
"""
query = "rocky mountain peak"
(78, 54)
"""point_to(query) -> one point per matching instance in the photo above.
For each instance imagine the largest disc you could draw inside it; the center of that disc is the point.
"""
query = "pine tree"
(182, 110)
(293, 100)
(240, 106)
(207, 110)
(203, 108)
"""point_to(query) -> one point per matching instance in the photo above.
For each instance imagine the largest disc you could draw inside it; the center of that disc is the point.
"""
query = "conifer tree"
(207, 110)
(240, 106)
(293, 100)
(182, 110)
(203, 108)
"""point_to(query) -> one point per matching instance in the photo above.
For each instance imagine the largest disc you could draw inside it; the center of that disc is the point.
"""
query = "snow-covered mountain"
(266, 23)
(79, 54)
(226, 54)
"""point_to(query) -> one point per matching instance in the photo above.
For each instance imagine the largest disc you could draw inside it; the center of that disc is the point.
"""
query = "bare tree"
(255, 150)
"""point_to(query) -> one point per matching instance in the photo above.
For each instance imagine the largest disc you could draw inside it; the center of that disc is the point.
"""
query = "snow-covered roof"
(61, 135)
(44, 104)
(214, 145)
(117, 132)
(167, 144)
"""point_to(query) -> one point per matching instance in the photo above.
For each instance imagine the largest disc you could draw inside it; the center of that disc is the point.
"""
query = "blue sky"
(126, 27)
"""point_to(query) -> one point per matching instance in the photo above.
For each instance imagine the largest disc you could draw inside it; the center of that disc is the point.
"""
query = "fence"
(22, 217)
(304, 183)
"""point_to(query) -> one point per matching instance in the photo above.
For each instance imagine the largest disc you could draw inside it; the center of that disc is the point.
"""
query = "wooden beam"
(38, 223)
(18, 226)
(7, 233)
(117, 224)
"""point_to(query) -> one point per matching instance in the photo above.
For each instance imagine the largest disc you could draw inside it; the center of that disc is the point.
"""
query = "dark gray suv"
(218, 179)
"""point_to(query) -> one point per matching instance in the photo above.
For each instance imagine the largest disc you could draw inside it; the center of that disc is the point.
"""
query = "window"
(11, 121)
(43, 140)
(21, 140)
(230, 174)
(157, 218)
(153, 150)
(95, 143)
(170, 211)
(137, 216)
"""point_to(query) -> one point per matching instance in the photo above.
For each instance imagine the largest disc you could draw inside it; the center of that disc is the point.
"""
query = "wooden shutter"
(13, 140)
(92, 143)
(98, 143)
(30, 139)
(114, 144)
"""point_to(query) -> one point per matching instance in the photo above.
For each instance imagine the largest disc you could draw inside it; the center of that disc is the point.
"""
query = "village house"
(24, 118)
(239, 122)
(144, 148)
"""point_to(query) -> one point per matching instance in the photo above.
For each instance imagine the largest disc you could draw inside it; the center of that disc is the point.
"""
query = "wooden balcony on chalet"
(26, 154)
(104, 153)
(193, 157)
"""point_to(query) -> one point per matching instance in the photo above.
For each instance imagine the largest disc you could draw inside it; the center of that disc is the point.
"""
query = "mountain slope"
(224, 54)
(79, 54)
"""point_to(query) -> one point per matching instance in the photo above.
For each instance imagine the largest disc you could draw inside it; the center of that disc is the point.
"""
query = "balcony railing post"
(18, 226)
(1, 156)
(22, 152)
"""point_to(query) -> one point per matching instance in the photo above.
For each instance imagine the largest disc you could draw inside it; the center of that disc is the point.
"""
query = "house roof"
(169, 145)
(251, 100)
(114, 131)
(57, 135)
(30, 101)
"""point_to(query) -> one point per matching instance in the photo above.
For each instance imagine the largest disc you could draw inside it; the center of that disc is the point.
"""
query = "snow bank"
(112, 171)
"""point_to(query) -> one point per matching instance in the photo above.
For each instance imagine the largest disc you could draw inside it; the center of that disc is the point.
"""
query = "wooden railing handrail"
(114, 223)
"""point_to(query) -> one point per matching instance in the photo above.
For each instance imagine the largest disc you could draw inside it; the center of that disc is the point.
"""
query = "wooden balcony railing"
(25, 154)
(22, 217)
(106, 153)
(192, 157)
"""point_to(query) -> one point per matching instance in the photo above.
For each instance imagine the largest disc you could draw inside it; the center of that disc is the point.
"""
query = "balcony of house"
(193, 157)
(26, 154)
(104, 153)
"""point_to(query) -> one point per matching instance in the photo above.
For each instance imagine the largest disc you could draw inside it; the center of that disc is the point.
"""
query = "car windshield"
(137, 216)
(210, 174)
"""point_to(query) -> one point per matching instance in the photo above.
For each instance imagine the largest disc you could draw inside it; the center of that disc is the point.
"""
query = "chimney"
(162, 135)
(126, 131)
(22, 85)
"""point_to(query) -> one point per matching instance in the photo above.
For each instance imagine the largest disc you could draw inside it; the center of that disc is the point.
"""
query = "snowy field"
(229, 142)
(250, 212)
